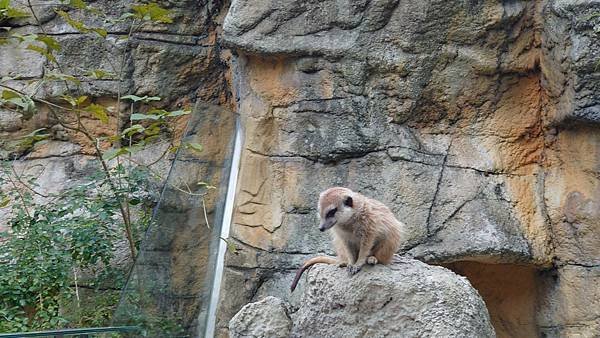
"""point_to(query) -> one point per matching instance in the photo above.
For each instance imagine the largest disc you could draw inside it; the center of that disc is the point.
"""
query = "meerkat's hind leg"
(372, 260)
(385, 252)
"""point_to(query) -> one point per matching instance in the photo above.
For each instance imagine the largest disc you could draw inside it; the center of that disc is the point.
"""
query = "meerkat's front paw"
(353, 269)
(372, 260)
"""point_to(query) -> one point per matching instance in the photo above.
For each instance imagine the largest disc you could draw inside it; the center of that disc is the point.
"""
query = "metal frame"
(81, 333)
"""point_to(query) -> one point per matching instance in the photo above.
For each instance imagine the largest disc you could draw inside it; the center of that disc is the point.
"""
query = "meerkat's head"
(336, 206)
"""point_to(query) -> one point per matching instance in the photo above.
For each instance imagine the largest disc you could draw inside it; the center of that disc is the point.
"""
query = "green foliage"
(35, 136)
(79, 4)
(194, 146)
(144, 99)
(152, 12)
(24, 102)
(48, 244)
(7, 12)
(98, 111)
(100, 74)
(52, 241)
(80, 26)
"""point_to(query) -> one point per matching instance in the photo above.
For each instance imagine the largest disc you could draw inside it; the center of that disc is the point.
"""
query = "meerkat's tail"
(308, 264)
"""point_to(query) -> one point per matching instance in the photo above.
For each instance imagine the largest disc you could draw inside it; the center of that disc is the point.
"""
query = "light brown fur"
(364, 231)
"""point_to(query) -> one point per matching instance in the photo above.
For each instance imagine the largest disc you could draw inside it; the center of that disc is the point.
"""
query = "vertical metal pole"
(227, 218)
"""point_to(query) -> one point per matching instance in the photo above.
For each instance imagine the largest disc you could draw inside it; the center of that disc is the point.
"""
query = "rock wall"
(475, 121)
(180, 62)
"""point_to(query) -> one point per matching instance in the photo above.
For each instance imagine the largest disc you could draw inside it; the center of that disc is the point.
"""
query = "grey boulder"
(405, 299)
(267, 318)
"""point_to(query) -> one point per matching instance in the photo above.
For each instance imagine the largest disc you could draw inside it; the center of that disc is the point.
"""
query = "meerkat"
(364, 231)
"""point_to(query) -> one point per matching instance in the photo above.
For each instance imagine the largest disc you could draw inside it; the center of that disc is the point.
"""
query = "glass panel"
(169, 289)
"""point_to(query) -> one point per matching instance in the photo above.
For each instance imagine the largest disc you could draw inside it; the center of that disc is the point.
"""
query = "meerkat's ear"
(348, 202)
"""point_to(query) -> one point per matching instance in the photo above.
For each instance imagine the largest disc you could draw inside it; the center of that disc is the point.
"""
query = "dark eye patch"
(331, 213)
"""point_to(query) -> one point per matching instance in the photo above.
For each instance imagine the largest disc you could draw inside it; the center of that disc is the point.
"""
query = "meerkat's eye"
(331, 213)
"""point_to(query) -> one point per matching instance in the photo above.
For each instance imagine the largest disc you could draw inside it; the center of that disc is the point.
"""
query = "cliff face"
(475, 121)
(180, 62)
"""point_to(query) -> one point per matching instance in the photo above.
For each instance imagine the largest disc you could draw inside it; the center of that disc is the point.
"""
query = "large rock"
(267, 318)
(406, 299)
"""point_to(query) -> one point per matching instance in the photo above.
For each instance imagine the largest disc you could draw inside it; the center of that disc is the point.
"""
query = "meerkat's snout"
(327, 224)
(329, 220)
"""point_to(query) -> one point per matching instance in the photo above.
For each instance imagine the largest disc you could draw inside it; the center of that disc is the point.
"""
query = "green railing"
(80, 333)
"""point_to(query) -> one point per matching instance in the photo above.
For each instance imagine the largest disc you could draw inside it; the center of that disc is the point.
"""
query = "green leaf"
(100, 31)
(231, 247)
(206, 185)
(144, 99)
(4, 202)
(50, 42)
(99, 74)
(7, 12)
(178, 113)
(80, 100)
(194, 146)
(138, 116)
(134, 201)
(133, 98)
(9, 94)
(14, 13)
(62, 77)
(35, 136)
(42, 51)
(80, 26)
(113, 138)
(98, 111)
(70, 99)
(22, 101)
(149, 139)
(135, 129)
(77, 25)
(126, 16)
(113, 153)
(153, 129)
(159, 112)
(30, 38)
(152, 12)
(79, 4)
